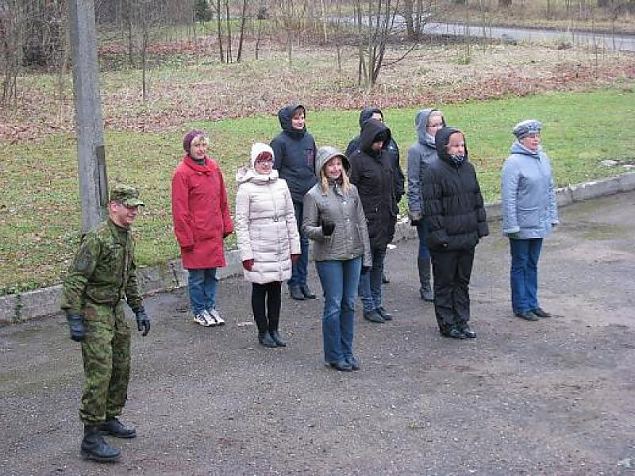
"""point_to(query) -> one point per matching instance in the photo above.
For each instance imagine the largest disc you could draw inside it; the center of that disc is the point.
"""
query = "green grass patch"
(40, 207)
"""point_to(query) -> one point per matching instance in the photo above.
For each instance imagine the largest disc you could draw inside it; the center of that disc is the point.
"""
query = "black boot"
(265, 339)
(274, 319)
(114, 427)
(423, 264)
(275, 335)
(96, 448)
(306, 292)
(296, 293)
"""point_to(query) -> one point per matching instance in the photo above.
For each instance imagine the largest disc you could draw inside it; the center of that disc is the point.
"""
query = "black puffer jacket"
(452, 200)
(294, 154)
(372, 174)
(392, 148)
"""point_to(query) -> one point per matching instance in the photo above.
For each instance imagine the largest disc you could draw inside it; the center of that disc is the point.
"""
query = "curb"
(15, 308)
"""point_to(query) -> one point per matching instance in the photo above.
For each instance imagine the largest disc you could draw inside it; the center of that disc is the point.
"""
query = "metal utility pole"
(91, 157)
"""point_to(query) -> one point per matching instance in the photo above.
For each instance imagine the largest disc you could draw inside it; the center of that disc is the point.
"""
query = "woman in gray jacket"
(529, 212)
(420, 154)
(334, 219)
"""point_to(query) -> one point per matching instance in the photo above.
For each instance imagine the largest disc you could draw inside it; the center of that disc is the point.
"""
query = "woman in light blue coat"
(420, 155)
(529, 212)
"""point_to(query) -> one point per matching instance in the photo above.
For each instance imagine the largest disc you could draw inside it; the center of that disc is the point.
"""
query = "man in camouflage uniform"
(103, 273)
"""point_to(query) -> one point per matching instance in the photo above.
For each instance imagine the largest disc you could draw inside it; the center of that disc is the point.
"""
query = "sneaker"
(201, 319)
(214, 314)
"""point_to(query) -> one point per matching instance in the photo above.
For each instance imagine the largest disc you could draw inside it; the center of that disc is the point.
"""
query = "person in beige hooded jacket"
(268, 239)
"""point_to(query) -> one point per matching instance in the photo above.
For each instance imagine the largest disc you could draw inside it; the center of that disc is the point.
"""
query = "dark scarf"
(456, 160)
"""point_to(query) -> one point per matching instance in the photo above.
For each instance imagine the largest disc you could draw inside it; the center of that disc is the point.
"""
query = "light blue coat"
(529, 205)
(420, 154)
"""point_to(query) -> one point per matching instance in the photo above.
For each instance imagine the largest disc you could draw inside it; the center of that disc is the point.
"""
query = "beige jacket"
(265, 223)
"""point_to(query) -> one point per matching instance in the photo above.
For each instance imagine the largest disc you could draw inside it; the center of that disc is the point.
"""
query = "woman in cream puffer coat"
(268, 238)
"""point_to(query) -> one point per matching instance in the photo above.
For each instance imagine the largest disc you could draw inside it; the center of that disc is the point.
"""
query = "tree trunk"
(243, 19)
(408, 13)
(230, 59)
(219, 28)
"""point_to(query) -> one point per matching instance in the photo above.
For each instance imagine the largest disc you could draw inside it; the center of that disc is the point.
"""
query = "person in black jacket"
(393, 151)
(455, 216)
(372, 174)
(294, 152)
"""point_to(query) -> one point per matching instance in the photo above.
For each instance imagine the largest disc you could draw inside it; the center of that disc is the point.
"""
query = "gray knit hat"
(524, 128)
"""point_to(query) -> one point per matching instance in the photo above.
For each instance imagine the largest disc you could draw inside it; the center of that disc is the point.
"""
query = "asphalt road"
(607, 41)
(548, 397)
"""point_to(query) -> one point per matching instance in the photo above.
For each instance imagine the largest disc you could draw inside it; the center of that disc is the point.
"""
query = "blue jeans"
(299, 269)
(370, 283)
(201, 285)
(422, 231)
(339, 282)
(524, 273)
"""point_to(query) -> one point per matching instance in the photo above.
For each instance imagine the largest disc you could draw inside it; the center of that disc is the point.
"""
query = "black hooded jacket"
(294, 154)
(452, 200)
(391, 148)
(372, 174)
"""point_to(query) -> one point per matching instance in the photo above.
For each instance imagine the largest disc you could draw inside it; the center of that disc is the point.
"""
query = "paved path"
(608, 41)
(548, 397)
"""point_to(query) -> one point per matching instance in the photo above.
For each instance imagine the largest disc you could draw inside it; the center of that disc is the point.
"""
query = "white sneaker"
(216, 316)
(211, 321)
(201, 319)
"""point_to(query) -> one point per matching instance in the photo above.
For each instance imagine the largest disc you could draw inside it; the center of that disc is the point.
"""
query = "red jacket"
(200, 213)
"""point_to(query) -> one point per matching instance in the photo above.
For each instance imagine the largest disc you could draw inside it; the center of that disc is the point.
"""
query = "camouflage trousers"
(106, 353)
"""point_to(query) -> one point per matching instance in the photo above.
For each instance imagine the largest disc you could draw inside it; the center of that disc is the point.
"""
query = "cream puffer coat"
(265, 222)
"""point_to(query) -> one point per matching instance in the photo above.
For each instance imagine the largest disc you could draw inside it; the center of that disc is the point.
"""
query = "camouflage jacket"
(103, 270)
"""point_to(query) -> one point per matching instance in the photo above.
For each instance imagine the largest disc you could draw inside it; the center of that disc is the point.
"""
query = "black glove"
(143, 321)
(76, 325)
(327, 227)
(366, 269)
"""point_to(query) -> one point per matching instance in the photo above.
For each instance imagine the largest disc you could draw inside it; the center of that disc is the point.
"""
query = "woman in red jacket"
(200, 213)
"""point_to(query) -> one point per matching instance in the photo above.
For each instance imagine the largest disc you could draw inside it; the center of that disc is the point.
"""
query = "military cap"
(125, 194)
(524, 128)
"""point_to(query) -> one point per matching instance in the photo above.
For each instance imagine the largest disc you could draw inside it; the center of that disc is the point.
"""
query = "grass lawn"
(40, 209)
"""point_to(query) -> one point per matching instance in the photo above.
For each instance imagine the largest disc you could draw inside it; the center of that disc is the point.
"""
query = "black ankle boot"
(114, 427)
(96, 448)
(275, 335)
(265, 339)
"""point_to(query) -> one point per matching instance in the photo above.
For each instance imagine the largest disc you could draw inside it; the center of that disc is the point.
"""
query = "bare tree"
(243, 20)
(375, 20)
(290, 17)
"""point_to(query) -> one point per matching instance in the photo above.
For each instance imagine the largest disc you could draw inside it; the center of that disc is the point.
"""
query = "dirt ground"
(548, 397)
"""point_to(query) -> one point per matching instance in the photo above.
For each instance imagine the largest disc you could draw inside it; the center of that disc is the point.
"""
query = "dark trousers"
(265, 304)
(452, 271)
(299, 269)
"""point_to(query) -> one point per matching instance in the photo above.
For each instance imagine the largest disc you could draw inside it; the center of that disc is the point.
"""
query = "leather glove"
(248, 264)
(143, 321)
(366, 269)
(295, 258)
(327, 228)
(76, 325)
